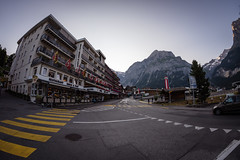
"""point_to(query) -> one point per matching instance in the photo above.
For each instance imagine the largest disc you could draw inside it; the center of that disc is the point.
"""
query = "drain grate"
(73, 137)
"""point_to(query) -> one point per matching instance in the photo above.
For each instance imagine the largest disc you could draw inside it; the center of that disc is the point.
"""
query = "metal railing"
(45, 51)
(55, 44)
(57, 32)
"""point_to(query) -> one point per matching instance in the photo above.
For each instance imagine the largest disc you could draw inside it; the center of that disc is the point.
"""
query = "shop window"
(79, 82)
(70, 80)
(51, 73)
(44, 71)
(59, 76)
(34, 89)
(65, 78)
(75, 82)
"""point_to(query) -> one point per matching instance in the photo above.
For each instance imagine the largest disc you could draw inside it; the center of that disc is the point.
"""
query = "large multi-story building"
(51, 63)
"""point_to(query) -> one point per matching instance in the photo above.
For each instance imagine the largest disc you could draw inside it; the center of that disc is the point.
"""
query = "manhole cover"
(73, 137)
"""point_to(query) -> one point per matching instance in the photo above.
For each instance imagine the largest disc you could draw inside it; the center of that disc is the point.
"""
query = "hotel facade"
(52, 64)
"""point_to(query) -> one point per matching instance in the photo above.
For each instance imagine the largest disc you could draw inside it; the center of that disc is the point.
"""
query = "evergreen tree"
(202, 82)
(3, 56)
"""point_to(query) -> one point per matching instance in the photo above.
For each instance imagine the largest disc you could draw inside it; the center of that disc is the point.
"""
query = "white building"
(51, 63)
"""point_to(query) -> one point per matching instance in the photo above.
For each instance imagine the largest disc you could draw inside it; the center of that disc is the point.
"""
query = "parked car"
(230, 104)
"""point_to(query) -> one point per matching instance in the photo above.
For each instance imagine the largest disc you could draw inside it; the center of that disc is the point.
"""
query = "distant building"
(50, 62)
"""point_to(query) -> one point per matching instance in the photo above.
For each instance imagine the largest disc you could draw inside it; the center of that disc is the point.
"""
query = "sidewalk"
(207, 107)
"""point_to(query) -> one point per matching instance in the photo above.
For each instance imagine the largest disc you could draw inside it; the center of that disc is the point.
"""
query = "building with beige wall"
(51, 63)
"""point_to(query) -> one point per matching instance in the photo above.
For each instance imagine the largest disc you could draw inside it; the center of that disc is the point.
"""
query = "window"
(75, 82)
(59, 76)
(33, 47)
(29, 60)
(25, 53)
(51, 73)
(70, 80)
(19, 75)
(34, 70)
(26, 73)
(79, 82)
(44, 71)
(22, 62)
(34, 89)
(37, 36)
(65, 78)
(16, 76)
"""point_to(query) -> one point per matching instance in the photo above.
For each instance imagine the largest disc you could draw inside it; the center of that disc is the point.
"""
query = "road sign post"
(193, 86)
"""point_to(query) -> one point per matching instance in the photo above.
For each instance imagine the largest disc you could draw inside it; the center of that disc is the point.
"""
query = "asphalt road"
(116, 130)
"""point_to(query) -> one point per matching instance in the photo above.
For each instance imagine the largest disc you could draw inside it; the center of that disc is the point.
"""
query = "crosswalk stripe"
(54, 115)
(25, 135)
(29, 126)
(41, 122)
(65, 110)
(49, 118)
(54, 112)
(16, 149)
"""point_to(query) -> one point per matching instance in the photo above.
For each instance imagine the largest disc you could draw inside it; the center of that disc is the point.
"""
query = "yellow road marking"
(59, 113)
(25, 135)
(54, 115)
(29, 126)
(16, 149)
(41, 122)
(49, 118)
(65, 110)
(110, 105)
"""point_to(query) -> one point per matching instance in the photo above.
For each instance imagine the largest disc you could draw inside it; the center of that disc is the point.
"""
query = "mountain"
(229, 70)
(151, 71)
(120, 75)
(211, 65)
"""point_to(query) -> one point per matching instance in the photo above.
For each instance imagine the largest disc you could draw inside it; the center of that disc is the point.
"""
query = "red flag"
(68, 64)
(166, 82)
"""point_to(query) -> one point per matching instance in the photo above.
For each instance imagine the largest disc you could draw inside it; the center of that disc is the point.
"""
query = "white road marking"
(98, 110)
(168, 121)
(228, 150)
(176, 123)
(187, 125)
(198, 128)
(114, 121)
(238, 130)
(161, 120)
(213, 129)
(227, 130)
(153, 118)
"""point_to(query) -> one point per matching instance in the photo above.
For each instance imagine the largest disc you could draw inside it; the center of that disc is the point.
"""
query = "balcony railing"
(86, 59)
(95, 58)
(47, 53)
(61, 36)
(44, 51)
(57, 46)
(57, 66)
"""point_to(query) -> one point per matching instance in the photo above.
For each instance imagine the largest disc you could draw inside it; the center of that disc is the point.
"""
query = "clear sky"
(127, 31)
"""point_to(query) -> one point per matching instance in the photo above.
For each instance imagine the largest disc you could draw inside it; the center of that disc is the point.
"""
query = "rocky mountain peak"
(236, 33)
(161, 54)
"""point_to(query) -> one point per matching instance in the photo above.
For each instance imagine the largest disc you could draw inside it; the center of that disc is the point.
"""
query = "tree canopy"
(202, 82)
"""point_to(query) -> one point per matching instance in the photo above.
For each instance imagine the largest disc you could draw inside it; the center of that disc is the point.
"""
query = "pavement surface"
(115, 130)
